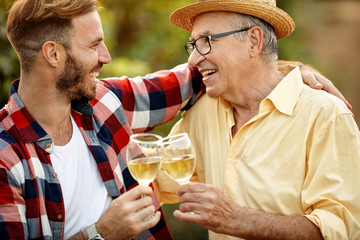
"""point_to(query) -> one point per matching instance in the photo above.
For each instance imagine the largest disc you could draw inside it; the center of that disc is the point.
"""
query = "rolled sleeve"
(331, 225)
(331, 194)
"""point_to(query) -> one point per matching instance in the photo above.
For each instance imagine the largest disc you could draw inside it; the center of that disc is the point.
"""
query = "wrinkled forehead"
(212, 22)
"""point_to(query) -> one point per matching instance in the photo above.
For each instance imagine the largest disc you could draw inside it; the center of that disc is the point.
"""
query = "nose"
(104, 55)
(195, 58)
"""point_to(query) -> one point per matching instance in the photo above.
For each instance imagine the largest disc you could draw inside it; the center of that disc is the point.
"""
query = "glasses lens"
(203, 45)
(189, 47)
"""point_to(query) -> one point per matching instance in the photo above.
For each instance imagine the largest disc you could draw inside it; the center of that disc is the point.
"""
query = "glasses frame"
(190, 46)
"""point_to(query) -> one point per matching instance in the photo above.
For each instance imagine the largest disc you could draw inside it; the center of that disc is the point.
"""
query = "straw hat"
(263, 9)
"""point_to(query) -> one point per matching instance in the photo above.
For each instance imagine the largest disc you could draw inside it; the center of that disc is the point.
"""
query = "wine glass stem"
(153, 214)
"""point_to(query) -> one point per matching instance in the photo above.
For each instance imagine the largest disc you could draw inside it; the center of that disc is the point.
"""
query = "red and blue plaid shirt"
(31, 202)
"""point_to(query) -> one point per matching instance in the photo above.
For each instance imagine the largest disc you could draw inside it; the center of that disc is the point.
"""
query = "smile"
(207, 73)
(94, 75)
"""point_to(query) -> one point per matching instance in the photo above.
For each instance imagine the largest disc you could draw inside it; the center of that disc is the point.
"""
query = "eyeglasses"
(203, 44)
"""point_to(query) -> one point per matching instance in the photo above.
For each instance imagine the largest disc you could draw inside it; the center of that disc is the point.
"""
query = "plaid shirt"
(31, 202)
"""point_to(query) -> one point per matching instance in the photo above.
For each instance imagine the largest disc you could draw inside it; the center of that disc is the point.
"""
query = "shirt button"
(59, 217)
(54, 174)
(234, 162)
(48, 145)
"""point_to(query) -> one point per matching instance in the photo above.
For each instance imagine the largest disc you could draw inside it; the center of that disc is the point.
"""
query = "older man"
(280, 160)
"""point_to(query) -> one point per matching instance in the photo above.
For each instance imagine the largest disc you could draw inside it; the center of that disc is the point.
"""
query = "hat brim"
(280, 20)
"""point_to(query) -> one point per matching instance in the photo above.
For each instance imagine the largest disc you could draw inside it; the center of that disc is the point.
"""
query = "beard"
(73, 81)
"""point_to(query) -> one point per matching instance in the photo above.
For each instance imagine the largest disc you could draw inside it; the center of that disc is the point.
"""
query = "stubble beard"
(72, 81)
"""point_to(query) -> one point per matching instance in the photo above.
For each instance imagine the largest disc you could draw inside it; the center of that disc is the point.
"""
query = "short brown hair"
(33, 22)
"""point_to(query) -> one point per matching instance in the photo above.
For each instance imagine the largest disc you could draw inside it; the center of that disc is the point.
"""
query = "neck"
(255, 87)
(47, 106)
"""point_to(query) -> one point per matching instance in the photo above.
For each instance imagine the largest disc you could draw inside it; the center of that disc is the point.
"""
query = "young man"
(63, 132)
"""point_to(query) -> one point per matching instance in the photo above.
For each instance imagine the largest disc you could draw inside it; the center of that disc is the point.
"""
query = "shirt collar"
(285, 95)
(30, 130)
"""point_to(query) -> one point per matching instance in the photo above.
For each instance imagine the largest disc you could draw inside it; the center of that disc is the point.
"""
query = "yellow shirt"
(299, 156)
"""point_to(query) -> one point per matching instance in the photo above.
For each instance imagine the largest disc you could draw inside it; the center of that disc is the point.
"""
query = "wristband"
(93, 233)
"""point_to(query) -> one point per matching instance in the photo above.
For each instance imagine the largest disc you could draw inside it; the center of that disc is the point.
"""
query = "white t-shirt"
(84, 193)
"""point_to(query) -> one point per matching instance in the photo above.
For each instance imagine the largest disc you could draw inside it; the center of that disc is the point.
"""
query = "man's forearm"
(262, 225)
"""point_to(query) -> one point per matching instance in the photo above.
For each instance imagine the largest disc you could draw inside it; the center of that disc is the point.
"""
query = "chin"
(82, 93)
(88, 90)
(90, 95)
(212, 93)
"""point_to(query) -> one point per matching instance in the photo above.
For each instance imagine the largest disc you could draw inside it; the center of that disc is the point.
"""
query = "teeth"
(208, 72)
(93, 75)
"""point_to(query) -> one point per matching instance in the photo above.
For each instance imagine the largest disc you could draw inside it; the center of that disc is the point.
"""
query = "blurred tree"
(144, 34)
(9, 65)
(290, 48)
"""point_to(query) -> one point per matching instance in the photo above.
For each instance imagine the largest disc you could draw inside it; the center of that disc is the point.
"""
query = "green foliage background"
(141, 40)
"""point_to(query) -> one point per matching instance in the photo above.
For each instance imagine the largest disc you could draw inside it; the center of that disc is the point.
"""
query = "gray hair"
(270, 49)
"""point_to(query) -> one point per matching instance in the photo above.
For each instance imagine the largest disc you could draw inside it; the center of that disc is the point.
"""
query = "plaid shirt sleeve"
(156, 98)
(12, 204)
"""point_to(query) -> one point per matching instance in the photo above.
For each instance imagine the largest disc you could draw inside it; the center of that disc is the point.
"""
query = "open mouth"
(94, 75)
(208, 73)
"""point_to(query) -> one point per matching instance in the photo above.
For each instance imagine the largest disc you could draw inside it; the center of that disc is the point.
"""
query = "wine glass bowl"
(144, 157)
(179, 157)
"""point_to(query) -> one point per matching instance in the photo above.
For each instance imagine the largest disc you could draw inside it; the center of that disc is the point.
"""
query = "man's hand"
(206, 205)
(317, 81)
(124, 219)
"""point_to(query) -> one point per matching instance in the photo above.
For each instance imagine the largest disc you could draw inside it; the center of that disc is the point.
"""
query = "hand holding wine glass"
(179, 157)
(144, 158)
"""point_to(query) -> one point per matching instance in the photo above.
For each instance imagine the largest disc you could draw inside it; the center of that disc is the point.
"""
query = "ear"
(53, 52)
(256, 36)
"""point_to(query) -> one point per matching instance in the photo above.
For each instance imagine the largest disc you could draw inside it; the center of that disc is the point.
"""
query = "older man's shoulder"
(321, 100)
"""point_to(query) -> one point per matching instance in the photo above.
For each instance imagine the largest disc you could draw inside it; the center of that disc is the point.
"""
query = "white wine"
(146, 169)
(180, 168)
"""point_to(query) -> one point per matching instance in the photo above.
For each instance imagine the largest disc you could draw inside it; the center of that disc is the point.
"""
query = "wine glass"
(179, 157)
(143, 155)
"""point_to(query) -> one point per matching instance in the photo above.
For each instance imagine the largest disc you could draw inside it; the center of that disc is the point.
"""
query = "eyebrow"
(205, 34)
(99, 39)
